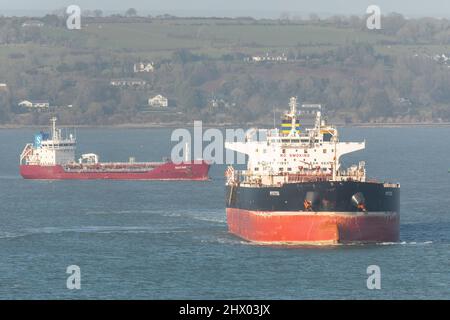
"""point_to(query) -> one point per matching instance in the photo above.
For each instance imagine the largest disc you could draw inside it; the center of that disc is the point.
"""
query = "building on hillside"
(267, 57)
(216, 103)
(310, 109)
(143, 67)
(35, 104)
(3, 87)
(128, 82)
(33, 24)
(158, 101)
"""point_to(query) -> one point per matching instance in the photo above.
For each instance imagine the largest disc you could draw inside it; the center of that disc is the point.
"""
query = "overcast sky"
(256, 8)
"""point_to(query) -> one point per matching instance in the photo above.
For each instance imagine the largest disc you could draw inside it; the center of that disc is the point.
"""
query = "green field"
(213, 37)
(359, 74)
(163, 36)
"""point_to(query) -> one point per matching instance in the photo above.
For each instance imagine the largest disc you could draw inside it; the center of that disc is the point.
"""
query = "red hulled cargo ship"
(294, 190)
(52, 156)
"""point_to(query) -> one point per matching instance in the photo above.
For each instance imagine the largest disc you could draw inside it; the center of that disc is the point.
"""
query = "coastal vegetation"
(223, 70)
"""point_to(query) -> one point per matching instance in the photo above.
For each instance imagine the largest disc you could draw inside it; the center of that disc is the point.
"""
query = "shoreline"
(227, 125)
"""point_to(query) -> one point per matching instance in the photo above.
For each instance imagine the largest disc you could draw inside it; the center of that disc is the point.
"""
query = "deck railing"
(251, 178)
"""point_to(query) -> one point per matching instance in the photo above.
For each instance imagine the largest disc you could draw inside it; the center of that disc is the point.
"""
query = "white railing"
(354, 173)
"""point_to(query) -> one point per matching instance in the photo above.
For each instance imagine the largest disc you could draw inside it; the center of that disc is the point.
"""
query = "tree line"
(354, 81)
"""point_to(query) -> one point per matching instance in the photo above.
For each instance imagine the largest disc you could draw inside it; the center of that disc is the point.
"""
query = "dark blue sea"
(169, 240)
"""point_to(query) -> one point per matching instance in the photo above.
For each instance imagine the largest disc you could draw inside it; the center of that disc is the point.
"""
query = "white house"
(144, 67)
(278, 58)
(38, 104)
(127, 82)
(158, 101)
(33, 24)
(220, 103)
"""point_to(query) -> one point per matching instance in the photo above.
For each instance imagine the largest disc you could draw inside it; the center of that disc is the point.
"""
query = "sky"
(233, 8)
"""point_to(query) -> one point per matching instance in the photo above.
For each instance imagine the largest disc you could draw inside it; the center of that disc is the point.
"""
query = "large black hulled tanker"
(294, 191)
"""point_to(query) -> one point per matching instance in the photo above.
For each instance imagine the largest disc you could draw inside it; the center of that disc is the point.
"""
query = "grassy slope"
(209, 37)
(212, 37)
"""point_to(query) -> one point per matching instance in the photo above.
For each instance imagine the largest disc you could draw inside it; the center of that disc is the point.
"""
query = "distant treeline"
(396, 74)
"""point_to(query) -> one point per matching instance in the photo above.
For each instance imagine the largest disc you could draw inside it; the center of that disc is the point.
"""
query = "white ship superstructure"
(50, 150)
(290, 154)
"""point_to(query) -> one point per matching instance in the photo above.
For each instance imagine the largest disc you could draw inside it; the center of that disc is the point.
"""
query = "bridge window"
(327, 137)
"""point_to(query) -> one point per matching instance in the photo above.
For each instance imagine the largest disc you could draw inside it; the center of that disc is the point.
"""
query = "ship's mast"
(318, 120)
(293, 115)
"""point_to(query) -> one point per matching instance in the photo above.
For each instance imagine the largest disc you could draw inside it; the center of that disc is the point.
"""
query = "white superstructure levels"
(46, 150)
(288, 154)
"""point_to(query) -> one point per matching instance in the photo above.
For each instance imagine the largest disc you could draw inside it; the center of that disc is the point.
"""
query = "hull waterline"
(164, 171)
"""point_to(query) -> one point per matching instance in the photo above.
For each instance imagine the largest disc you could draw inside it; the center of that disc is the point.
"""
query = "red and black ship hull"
(156, 171)
(279, 215)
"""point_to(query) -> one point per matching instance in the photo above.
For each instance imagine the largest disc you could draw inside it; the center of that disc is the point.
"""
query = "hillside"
(213, 69)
